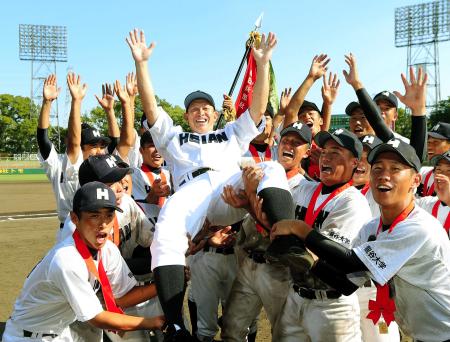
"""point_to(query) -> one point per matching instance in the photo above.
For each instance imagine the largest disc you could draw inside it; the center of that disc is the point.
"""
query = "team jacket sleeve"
(44, 143)
(162, 130)
(419, 136)
(373, 115)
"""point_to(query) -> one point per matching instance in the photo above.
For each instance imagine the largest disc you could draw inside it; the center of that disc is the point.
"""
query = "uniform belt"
(257, 257)
(194, 174)
(224, 251)
(27, 333)
(316, 294)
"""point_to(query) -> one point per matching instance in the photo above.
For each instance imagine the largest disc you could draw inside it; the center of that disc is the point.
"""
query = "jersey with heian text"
(220, 150)
(340, 219)
(134, 227)
(60, 290)
(414, 258)
(63, 175)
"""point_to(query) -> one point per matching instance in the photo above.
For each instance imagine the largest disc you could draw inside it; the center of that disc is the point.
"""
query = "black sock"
(277, 204)
(251, 337)
(193, 315)
(169, 282)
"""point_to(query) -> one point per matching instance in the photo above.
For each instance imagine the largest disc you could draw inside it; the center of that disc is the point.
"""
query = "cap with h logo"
(387, 96)
(94, 196)
(370, 141)
(343, 138)
(102, 168)
(440, 131)
(91, 136)
(308, 104)
(436, 159)
(299, 128)
(397, 146)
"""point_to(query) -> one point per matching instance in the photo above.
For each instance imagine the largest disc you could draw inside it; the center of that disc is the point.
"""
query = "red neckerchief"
(313, 169)
(384, 305)
(365, 189)
(108, 296)
(151, 180)
(434, 212)
(312, 214)
(115, 238)
(255, 154)
(427, 191)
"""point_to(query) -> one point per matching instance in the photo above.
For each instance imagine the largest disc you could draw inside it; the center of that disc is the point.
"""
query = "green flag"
(273, 102)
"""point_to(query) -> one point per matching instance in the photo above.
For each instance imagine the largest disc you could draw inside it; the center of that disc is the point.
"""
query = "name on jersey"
(202, 139)
(372, 255)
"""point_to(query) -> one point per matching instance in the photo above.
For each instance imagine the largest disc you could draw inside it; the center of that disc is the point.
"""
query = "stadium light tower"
(420, 28)
(44, 46)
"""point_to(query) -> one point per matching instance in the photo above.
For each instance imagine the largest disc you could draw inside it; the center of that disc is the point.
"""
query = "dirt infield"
(24, 242)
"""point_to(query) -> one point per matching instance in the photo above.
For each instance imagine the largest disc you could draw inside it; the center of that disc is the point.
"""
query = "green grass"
(23, 178)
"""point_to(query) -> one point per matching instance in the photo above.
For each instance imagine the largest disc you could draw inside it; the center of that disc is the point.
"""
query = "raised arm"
(330, 89)
(369, 107)
(78, 92)
(126, 140)
(141, 53)
(132, 89)
(415, 99)
(261, 90)
(107, 103)
(317, 70)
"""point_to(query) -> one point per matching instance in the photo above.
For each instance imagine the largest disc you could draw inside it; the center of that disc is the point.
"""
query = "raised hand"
(415, 92)
(285, 99)
(107, 100)
(330, 88)
(264, 52)
(50, 91)
(131, 84)
(352, 76)
(318, 66)
(77, 90)
(122, 93)
(138, 46)
(442, 183)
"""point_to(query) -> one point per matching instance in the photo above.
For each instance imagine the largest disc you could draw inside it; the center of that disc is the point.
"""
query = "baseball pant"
(256, 286)
(370, 331)
(315, 320)
(14, 333)
(199, 198)
(212, 276)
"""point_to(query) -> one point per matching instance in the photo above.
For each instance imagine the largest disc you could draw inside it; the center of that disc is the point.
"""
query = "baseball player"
(259, 284)
(358, 123)
(437, 205)
(62, 287)
(405, 251)
(438, 143)
(62, 169)
(202, 162)
(315, 311)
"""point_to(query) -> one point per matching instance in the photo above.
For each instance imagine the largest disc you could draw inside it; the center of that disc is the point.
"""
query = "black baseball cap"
(308, 104)
(344, 138)
(351, 107)
(146, 138)
(119, 161)
(197, 95)
(436, 159)
(440, 131)
(299, 128)
(93, 196)
(370, 141)
(90, 135)
(102, 168)
(404, 150)
(387, 96)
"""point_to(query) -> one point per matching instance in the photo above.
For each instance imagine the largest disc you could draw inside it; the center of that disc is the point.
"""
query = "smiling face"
(359, 125)
(291, 150)
(437, 146)
(117, 188)
(336, 164)
(388, 112)
(362, 172)
(93, 149)
(94, 226)
(393, 182)
(151, 156)
(312, 119)
(201, 116)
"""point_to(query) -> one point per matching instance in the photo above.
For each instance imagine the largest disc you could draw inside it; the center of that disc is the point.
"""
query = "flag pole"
(241, 65)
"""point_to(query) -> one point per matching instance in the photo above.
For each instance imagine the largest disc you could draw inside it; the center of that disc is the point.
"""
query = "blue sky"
(200, 43)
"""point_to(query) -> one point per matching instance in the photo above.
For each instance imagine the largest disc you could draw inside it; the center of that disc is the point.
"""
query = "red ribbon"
(244, 98)
(151, 180)
(255, 154)
(365, 189)
(427, 191)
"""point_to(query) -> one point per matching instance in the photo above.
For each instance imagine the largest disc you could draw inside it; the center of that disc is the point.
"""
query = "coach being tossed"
(405, 251)
(62, 287)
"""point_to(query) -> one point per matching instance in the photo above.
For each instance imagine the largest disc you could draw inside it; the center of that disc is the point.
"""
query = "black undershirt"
(260, 147)
(329, 189)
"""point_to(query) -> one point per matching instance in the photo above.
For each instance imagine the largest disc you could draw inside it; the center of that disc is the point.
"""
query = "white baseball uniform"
(427, 181)
(414, 259)
(323, 319)
(198, 190)
(257, 285)
(439, 210)
(63, 176)
(60, 290)
(134, 155)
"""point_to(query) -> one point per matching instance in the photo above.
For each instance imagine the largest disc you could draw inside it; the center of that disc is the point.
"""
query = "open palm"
(138, 46)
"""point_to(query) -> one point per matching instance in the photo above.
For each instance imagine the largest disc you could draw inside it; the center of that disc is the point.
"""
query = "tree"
(403, 123)
(441, 113)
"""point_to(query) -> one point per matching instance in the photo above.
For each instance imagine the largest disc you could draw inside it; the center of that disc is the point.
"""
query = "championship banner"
(244, 98)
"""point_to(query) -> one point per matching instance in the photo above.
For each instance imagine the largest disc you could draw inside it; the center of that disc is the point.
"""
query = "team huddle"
(339, 236)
